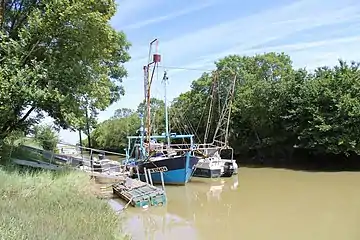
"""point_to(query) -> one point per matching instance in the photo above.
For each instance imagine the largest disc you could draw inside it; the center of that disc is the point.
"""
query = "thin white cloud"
(287, 48)
(204, 46)
(244, 35)
(169, 16)
(130, 8)
(257, 29)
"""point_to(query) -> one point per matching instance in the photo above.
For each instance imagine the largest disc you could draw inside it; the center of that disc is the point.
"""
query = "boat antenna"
(165, 81)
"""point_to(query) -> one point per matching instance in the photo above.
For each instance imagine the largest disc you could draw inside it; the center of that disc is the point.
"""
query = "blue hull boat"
(175, 163)
(176, 168)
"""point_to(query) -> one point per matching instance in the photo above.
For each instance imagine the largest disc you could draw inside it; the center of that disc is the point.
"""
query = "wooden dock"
(139, 194)
(37, 164)
(118, 177)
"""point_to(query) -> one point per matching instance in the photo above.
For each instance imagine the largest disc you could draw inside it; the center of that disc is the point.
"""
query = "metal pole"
(138, 173)
(80, 144)
(148, 117)
(165, 78)
(88, 136)
(149, 81)
(230, 107)
(150, 178)
(91, 163)
(142, 136)
(162, 180)
(52, 157)
(146, 176)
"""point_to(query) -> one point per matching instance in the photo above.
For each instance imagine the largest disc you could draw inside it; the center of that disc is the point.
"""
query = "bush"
(46, 137)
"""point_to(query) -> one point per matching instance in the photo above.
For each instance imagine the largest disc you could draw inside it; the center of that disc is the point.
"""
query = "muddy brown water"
(270, 204)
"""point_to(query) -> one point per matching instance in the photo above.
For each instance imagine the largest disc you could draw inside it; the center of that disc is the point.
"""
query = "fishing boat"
(171, 166)
(213, 165)
(156, 158)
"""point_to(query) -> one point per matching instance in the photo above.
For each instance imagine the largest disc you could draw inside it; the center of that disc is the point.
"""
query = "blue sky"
(194, 34)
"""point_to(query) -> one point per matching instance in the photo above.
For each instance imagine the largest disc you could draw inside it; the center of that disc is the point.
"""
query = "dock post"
(162, 180)
(91, 161)
(150, 178)
(146, 176)
(52, 157)
(137, 172)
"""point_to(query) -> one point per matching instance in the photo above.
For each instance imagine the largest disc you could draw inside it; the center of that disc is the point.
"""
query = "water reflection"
(257, 204)
(179, 217)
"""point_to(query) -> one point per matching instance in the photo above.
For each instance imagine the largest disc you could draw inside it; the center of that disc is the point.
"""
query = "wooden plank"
(37, 164)
(115, 177)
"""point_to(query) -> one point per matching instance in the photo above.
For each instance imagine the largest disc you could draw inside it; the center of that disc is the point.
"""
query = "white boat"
(214, 166)
(209, 167)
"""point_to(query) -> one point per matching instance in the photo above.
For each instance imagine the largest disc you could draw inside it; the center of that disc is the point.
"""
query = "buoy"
(156, 58)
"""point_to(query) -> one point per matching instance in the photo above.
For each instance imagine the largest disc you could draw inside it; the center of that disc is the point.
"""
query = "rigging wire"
(185, 68)
(185, 122)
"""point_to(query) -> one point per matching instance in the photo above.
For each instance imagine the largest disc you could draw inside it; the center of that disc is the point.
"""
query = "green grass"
(44, 205)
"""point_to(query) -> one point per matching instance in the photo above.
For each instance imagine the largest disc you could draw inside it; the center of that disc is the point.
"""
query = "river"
(258, 203)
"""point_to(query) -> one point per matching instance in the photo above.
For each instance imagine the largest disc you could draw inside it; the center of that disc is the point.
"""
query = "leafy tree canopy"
(275, 109)
(58, 57)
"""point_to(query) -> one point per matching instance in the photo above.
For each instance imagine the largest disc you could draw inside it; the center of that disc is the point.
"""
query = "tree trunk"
(2, 11)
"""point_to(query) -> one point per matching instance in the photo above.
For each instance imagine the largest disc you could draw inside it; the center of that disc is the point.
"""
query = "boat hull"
(176, 170)
(207, 173)
(215, 167)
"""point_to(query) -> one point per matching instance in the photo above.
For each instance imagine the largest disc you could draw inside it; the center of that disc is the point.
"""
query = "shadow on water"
(305, 161)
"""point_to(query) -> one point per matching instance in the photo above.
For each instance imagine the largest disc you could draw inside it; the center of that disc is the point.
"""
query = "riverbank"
(48, 205)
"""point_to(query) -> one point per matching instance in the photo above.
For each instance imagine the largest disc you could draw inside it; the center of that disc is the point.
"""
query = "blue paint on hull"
(180, 169)
(175, 177)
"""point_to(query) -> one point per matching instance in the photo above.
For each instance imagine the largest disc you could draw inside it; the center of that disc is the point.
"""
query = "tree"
(123, 113)
(157, 115)
(277, 108)
(329, 107)
(112, 134)
(189, 111)
(46, 136)
(59, 57)
(2, 9)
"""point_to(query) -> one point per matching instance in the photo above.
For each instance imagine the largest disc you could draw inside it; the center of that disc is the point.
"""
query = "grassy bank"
(45, 205)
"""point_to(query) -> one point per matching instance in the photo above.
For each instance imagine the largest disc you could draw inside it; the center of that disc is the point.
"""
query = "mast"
(229, 113)
(208, 123)
(221, 132)
(165, 79)
(147, 86)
